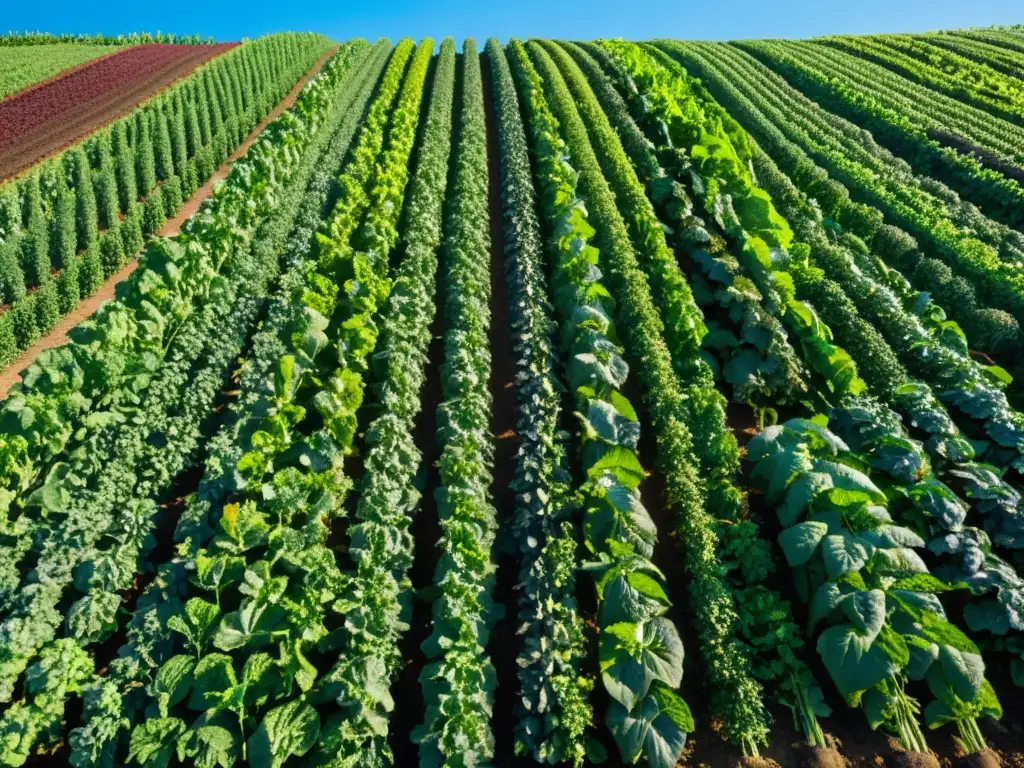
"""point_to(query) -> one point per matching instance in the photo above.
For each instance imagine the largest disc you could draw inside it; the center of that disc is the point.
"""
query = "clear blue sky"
(574, 19)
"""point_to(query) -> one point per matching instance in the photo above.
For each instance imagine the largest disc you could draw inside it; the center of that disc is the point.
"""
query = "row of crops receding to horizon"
(559, 403)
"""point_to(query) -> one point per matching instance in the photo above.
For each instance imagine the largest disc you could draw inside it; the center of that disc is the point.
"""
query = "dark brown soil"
(816, 757)
(984, 759)
(914, 760)
(758, 762)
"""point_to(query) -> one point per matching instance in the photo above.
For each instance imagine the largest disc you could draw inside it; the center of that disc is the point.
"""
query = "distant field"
(23, 66)
(37, 123)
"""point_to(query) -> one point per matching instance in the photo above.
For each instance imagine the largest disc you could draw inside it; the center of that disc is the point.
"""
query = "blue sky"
(575, 19)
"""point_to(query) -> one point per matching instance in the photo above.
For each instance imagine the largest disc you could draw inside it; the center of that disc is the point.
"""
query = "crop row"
(651, 77)
(14, 39)
(934, 146)
(935, 349)
(941, 70)
(745, 557)
(25, 66)
(195, 299)
(690, 265)
(950, 237)
(711, 602)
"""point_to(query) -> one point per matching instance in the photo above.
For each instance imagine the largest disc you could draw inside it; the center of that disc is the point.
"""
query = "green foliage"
(766, 624)
(106, 197)
(459, 679)
(122, 161)
(170, 192)
(35, 244)
(905, 321)
(162, 151)
(553, 714)
(713, 149)
(205, 299)
(65, 244)
(145, 155)
(946, 228)
(124, 157)
(861, 574)
(739, 705)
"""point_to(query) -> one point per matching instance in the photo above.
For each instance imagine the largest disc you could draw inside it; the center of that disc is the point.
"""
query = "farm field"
(538, 403)
(24, 66)
(38, 122)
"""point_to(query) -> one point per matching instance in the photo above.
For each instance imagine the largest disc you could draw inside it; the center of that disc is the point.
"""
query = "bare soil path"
(59, 334)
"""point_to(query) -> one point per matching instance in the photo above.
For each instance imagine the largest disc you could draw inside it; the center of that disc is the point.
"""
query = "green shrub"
(153, 216)
(90, 273)
(12, 278)
(65, 240)
(162, 146)
(145, 159)
(106, 197)
(23, 321)
(131, 231)
(111, 252)
(193, 132)
(124, 157)
(35, 244)
(47, 306)
(171, 192)
(8, 343)
(896, 247)
(203, 112)
(179, 140)
(189, 179)
(67, 286)
(86, 216)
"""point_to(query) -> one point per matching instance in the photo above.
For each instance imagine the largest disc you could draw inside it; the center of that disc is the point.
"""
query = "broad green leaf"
(290, 729)
(214, 676)
(655, 729)
(603, 422)
(172, 682)
(197, 624)
(965, 671)
(635, 655)
(259, 678)
(855, 662)
(844, 553)
(867, 611)
(153, 741)
(800, 542)
(826, 599)
(622, 463)
(800, 494)
(847, 478)
(211, 742)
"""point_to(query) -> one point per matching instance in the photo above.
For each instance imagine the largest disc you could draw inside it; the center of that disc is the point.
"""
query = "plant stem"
(805, 714)
(971, 735)
(908, 729)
